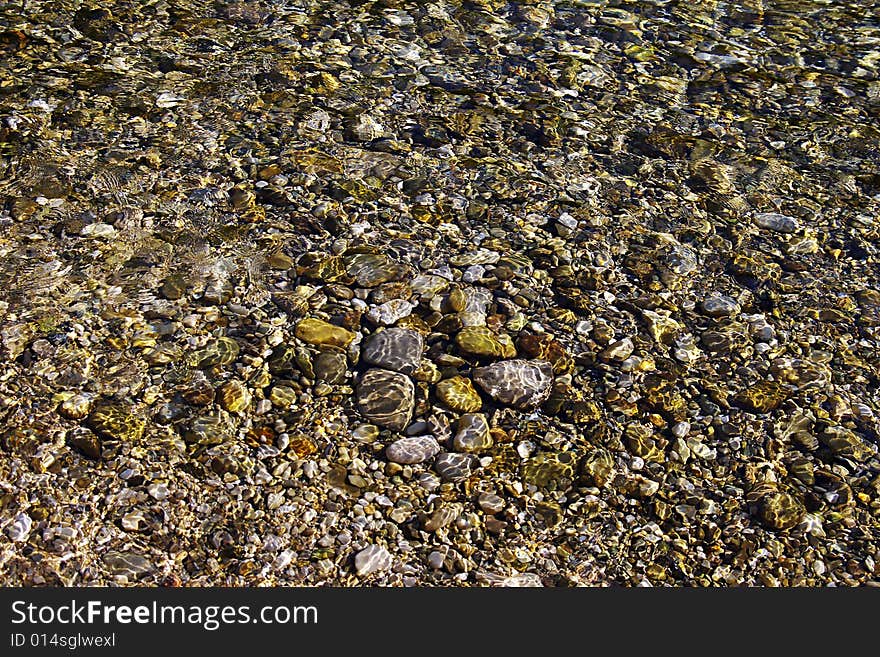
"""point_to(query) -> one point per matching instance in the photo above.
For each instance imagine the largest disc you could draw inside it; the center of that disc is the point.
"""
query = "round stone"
(115, 421)
(412, 449)
(473, 433)
(452, 466)
(76, 407)
(459, 394)
(318, 332)
(518, 383)
(481, 341)
(780, 510)
(234, 396)
(394, 349)
(282, 396)
(330, 367)
(386, 398)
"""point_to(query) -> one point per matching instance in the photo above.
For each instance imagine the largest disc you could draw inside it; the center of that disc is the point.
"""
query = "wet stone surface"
(386, 398)
(394, 349)
(462, 294)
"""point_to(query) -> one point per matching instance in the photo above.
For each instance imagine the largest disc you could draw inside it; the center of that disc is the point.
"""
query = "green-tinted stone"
(318, 332)
(221, 351)
(459, 394)
(115, 421)
(481, 341)
(234, 396)
(549, 469)
(282, 396)
(598, 467)
(762, 397)
(331, 367)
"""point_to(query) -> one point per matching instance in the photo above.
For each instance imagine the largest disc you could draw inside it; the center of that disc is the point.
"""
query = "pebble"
(394, 349)
(412, 449)
(390, 312)
(490, 503)
(459, 394)
(386, 398)
(130, 564)
(779, 223)
(517, 383)
(372, 559)
(481, 341)
(473, 433)
(719, 305)
(319, 332)
(20, 529)
(436, 560)
(453, 466)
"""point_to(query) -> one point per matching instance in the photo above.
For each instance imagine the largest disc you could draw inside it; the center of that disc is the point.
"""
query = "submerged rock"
(518, 383)
(386, 398)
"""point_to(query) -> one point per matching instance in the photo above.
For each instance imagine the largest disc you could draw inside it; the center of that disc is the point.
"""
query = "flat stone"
(412, 449)
(318, 332)
(372, 559)
(618, 350)
(778, 223)
(719, 305)
(130, 564)
(428, 285)
(222, 351)
(76, 407)
(441, 518)
(518, 383)
(386, 398)
(115, 421)
(490, 503)
(365, 433)
(234, 396)
(372, 269)
(394, 349)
